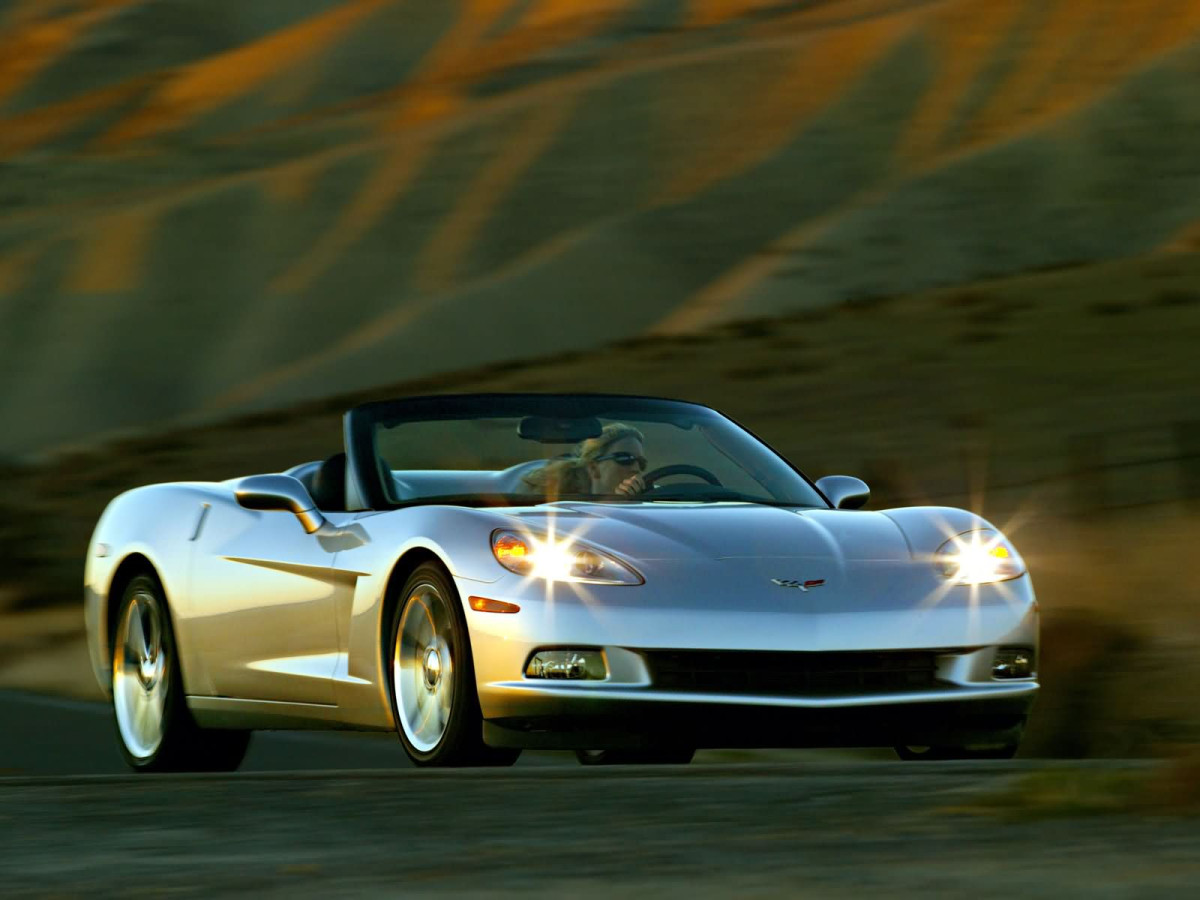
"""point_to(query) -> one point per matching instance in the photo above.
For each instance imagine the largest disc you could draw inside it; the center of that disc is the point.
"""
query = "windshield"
(520, 450)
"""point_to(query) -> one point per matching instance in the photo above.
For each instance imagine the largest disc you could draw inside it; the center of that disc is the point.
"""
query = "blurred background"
(951, 247)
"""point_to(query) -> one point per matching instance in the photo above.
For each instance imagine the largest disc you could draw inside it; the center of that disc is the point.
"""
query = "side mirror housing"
(281, 493)
(844, 491)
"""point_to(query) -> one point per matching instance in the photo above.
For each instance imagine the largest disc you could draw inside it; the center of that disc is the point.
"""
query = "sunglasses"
(624, 459)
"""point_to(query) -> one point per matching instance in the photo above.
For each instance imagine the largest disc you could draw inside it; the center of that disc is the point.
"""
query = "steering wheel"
(679, 469)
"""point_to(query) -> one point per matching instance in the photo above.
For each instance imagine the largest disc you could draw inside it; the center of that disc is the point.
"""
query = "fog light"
(575, 665)
(1013, 662)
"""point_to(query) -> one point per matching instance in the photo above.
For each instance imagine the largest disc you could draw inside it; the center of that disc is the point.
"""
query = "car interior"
(325, 481)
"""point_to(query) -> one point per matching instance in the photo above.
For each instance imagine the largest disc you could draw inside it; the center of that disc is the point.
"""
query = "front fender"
(155, 523)
(926, 528)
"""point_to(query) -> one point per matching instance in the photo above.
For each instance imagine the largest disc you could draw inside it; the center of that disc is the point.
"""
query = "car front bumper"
(958, 703)
(623, 720)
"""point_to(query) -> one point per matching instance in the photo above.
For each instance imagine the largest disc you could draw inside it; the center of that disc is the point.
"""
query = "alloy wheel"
(141, 676)
(423, 667)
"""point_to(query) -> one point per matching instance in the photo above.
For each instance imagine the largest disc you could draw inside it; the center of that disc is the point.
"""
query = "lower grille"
(792, 673)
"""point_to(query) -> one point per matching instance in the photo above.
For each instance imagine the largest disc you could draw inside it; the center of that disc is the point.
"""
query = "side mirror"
(279, 492)
(844, 491)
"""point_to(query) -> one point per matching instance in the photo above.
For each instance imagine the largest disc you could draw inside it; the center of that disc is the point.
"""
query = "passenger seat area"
(328, 486)
(324, 481)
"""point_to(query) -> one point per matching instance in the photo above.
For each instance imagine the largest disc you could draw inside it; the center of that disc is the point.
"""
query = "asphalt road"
(820, 830)
(49, 736)
(326, 814)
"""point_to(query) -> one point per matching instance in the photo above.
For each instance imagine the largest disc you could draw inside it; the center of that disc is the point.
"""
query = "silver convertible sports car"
(625, 577)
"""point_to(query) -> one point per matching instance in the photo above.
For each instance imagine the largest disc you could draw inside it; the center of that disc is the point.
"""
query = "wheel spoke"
(443, 707)
(148, 624)
(142, 716)
(427, 711)
(135, 636)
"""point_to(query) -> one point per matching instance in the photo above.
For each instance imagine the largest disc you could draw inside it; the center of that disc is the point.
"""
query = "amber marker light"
(486, 604)
(512, 553)
(979, 557)
(563, 559)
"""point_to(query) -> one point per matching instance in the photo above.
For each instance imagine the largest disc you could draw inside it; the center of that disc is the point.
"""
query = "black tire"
(459, 739)
(929, 754)
(181, 745)
(673, 756)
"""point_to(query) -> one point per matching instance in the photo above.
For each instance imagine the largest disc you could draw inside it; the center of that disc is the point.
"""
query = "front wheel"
(668, 757)
(156, 731)
(434, 698)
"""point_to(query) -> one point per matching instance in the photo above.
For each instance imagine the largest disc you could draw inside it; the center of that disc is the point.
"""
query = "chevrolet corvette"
(623, 577)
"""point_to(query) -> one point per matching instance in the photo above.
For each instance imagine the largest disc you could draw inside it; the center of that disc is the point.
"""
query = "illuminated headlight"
(978, 557)
(1013, 662)
(559, 560)
(575, 665)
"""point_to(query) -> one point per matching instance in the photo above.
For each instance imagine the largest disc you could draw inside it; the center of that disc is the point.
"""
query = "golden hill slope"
(219, 206)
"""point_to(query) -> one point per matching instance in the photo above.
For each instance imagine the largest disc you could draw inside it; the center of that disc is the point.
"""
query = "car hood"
(662, 531)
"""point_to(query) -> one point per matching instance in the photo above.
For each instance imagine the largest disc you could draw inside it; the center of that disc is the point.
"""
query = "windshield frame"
(365, 465)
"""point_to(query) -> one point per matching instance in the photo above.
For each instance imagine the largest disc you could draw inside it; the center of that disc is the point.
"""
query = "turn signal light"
(513, 553)
(486, 604)
(563, 559)
(978, 557)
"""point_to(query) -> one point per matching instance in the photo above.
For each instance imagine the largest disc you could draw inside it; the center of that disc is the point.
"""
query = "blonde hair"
(570, 476)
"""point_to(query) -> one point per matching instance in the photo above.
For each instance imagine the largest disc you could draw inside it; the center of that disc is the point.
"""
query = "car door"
(261, 612)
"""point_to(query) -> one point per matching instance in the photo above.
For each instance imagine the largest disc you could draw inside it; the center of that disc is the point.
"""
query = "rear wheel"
(434, 698)
(155, 729)
(663, 757)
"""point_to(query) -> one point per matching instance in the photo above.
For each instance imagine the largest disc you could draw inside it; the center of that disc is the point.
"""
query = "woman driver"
(610, 463)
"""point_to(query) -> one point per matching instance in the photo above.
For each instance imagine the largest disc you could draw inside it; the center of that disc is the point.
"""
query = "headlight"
(978, 557)
(559, 560)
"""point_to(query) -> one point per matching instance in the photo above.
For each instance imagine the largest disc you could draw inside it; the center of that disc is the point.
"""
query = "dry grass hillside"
(209, 206)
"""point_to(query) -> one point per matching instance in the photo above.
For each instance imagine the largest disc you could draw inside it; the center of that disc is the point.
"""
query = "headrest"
(329, 484)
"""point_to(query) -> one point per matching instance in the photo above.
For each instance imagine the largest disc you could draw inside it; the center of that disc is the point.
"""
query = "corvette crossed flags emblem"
(799, 585)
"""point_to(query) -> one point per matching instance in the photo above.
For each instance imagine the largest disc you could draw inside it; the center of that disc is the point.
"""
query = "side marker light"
(486, 604)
